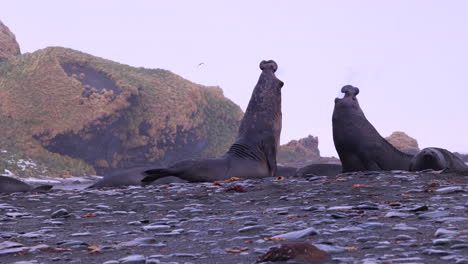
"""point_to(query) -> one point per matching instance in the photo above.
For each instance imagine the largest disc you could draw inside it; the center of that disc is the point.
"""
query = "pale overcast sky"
(409, 58)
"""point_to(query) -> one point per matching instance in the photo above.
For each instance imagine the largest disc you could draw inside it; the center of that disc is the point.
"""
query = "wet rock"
(61, 213)
(301, 252)
(395, 214)
(442, 232)
(156, 227)
(12, 251)
(434, 215)
(436, 252)
(133, 259)
(451, 189)
(298, 234)
(254, 228)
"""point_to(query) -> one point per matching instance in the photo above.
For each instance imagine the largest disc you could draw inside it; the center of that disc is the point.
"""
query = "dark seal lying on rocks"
(285, 171)
(12, 185)
(359, 145)
(131, 176)
(253, 155)
(437, 159)
(319, 169)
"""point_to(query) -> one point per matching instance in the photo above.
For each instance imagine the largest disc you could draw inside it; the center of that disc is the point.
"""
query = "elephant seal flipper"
(253, 154)
(437, 159)
(155, 174)
(359, 145)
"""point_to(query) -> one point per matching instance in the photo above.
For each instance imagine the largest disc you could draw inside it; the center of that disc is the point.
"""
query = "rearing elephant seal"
(436, 159)
(253, 155)
(359, 145)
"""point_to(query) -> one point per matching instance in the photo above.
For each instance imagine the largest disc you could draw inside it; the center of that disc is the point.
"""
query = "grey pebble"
(61, 213)
(298, 234)
(133, 259)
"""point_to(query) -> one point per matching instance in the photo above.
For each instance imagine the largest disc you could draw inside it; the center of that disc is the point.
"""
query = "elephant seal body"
(12, 185)
(127, 177)
(436, 159)
(253, 154)
(285, 171)
(359, 145)
(319, 169)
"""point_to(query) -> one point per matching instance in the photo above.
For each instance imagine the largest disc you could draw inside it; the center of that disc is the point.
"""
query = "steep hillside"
(59, 106)
(8, 45)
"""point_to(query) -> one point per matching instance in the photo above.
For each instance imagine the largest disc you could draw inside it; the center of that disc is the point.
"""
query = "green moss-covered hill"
(75, 113)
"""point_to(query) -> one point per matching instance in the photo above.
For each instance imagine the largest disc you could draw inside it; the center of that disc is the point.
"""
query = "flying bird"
(200, 64)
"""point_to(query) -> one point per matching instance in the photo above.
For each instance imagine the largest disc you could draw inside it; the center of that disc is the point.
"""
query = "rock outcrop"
(299, 152)
(8, 45)
(66, 108)
(403, 142)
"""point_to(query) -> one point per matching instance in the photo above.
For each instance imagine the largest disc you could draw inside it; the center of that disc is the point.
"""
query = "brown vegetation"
(8, 45)
(302, 151)
(403, 142)
(109, 115)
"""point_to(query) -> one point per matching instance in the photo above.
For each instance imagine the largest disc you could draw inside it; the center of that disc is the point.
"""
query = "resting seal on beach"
(12, 185)
(130, 176)
(436, 159)
(359, 145)
(253, 154)
(319, 169)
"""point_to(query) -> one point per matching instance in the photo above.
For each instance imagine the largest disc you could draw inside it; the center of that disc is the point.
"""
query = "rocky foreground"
(372, 217)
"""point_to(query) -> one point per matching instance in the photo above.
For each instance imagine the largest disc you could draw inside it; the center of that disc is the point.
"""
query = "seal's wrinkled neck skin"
(263, 114)
(260, 129)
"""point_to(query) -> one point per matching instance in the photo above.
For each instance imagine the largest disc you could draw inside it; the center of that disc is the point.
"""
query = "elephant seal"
(253, 154)
(127, 177)
(359, 145)
(436, 159)
(319, 169)
(285, 171)
(12, 185)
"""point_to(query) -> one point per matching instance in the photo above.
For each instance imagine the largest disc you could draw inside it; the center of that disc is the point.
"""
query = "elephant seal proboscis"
(359, 145)
(437, 159)
(253, 154)
(12, 185)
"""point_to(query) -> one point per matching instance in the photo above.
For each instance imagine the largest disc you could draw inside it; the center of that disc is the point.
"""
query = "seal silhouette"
(436, 159)
(129, 176)
(359, 145)
(253, 154)
(12, 185)
(319, 169)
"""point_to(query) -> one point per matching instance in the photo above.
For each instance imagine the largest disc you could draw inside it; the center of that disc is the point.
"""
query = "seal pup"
(253, 154)
(359, 145)
(319, 169)
(12, 185)
(130, 176)
(437, 159)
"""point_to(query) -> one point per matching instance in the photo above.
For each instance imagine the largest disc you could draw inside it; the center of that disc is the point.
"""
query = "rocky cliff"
(8, 45)
(299, 152)
(403, 142)
(80, 113)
